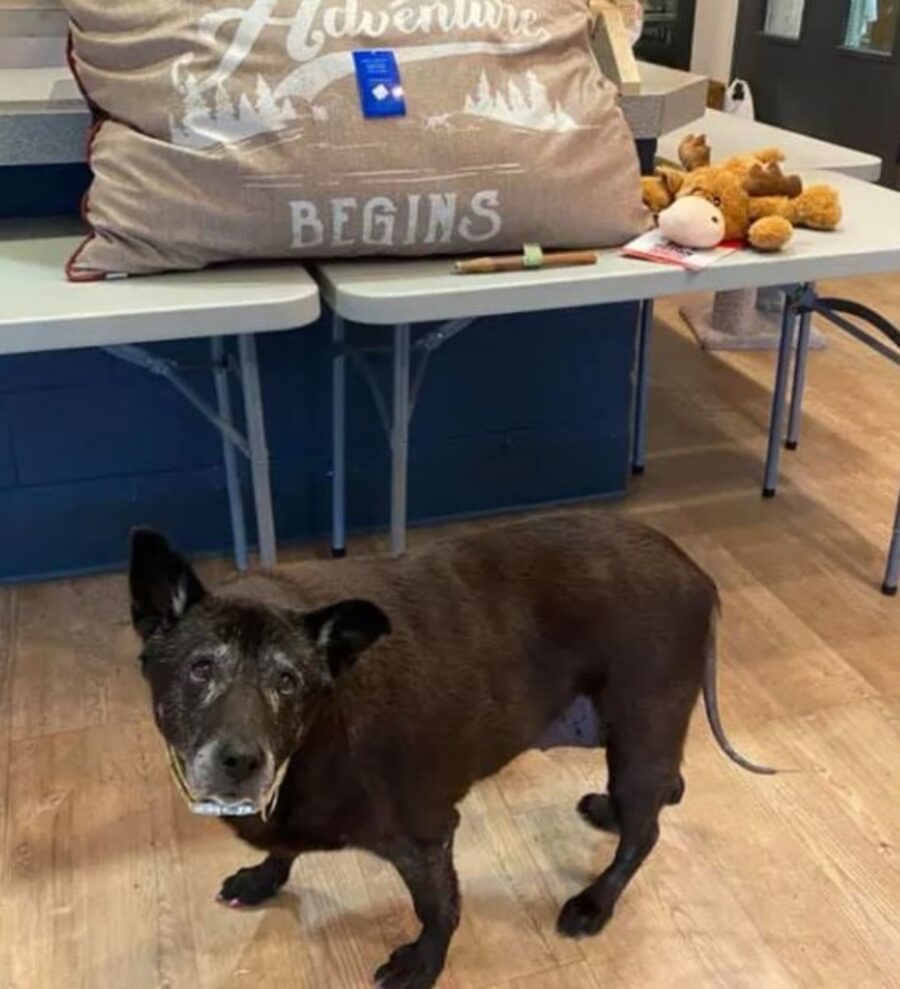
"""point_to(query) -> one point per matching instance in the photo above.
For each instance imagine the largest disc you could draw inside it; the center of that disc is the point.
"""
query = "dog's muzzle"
(214, 808)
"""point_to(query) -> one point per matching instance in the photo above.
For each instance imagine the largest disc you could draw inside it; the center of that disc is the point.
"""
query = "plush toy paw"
(764, 156)
(770, 234)
(656, 193)
(818, 208)
(660, 190)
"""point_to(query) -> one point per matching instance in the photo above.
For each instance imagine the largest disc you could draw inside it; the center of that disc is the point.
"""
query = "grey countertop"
(44, 121)
(732, 135)
(668, 99)
(43, 118)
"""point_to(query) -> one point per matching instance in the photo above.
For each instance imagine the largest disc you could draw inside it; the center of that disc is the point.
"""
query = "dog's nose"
(240, 760)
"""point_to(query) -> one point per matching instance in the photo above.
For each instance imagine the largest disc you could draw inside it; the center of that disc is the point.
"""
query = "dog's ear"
(343, 631)
(163, 585)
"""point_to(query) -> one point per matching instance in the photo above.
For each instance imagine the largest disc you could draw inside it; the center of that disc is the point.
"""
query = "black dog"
(276, 719)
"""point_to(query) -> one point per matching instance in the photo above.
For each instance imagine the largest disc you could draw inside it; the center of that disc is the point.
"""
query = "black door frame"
(818, 86)
(676, 55)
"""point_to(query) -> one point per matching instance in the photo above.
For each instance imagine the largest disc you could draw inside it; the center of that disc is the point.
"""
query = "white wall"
(714, 38)
(32, 34)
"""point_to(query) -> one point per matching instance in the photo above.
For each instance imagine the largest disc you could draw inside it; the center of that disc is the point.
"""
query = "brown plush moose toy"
(746, 197)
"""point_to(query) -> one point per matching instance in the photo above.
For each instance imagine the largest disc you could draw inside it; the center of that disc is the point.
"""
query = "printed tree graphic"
(220, 119)
(522, 103)
(483, 94)
(517, 102)
(266, 106)
(537, 95)
(501, 107)
(273, 115)
(224, 105)
(194, 103)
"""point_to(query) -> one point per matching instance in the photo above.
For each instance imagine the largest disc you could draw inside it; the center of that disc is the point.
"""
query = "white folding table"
(408, 292)
(41, 311)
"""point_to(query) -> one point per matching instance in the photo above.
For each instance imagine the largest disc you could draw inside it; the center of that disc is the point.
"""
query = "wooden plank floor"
(107, 883)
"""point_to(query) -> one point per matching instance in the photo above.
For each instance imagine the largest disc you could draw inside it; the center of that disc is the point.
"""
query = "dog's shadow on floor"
(390, 920)
(328, 927)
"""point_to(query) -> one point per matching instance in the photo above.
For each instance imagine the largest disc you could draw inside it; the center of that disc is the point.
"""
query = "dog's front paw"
(581, 917)
(248, 887)
(407, 968)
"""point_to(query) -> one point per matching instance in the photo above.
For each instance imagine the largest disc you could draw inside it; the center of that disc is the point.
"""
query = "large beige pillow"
(233, 129)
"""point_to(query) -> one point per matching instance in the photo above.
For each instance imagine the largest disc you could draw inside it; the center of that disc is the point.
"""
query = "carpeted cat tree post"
(744, 319)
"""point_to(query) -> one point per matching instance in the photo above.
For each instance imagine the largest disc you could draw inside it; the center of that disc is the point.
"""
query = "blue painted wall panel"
(57, 369)
(79, 432)
(515, 411)
(112, 447)
(7, 465)
(62, 529)
(490, 471)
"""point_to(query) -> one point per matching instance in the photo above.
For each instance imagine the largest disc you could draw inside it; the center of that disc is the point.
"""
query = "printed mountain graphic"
(222, 121)
(525, 105)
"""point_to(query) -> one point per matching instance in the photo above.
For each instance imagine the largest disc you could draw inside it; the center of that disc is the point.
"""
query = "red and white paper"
(652, 246)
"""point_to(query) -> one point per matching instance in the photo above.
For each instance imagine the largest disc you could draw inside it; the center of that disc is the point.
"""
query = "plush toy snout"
(694, 222)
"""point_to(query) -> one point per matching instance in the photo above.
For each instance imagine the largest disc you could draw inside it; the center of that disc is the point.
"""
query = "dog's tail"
(711, 700)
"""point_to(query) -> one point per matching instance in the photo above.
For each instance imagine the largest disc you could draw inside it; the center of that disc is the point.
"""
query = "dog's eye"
(287, 684)
(202, 671)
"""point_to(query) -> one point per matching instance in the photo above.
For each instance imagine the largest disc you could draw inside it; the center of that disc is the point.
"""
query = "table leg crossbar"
(252, 446)
(801, 303)
(406, 386)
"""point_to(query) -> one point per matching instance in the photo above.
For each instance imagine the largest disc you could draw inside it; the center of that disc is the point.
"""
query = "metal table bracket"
(252, 446)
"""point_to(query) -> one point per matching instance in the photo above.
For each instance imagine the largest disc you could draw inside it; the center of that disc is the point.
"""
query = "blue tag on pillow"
(378, 81)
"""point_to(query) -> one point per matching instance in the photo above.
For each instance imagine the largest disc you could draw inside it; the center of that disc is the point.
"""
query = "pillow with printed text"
(251, 129)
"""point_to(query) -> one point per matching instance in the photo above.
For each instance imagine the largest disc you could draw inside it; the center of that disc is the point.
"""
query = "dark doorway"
(829, 69)
(668, 36)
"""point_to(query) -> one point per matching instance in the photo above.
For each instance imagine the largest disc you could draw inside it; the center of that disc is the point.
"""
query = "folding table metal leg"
(796, 413)
(642, 385)
(338, 439)
(400, 438)
(892, 576)
(229, 454)
(779, 398)
(259, 454)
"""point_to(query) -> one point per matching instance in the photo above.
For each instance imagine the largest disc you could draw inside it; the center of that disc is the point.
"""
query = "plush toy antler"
(769, 180)
(694, 152)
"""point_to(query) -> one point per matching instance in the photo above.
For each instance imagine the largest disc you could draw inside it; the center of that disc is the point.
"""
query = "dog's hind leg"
(597, 808)
(250, 887)
(644, 756)
(428, 871)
